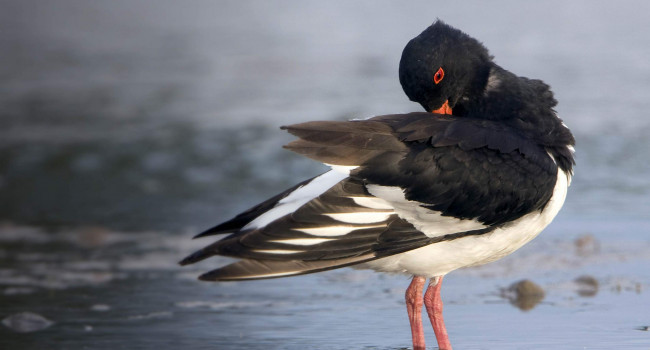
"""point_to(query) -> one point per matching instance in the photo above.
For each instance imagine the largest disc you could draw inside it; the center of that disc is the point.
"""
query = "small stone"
(587, 286)
(586, 245)
(26, 322)
(524, 294)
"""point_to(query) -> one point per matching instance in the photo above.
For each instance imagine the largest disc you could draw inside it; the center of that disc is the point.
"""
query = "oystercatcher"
(471, 180)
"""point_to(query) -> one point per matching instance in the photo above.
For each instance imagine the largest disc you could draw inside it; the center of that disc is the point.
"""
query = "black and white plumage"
(419, 193)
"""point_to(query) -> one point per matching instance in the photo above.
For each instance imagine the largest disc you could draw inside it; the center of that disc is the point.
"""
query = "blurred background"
(126, 127)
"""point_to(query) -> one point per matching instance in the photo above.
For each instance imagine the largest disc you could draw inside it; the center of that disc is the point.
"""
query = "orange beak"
(444, 109)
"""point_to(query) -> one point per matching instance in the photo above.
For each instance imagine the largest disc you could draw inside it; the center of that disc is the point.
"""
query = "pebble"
(524, 294)
(587, 286)
(586, 245)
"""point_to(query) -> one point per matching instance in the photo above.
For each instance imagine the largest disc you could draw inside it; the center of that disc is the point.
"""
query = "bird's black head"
(443, 65)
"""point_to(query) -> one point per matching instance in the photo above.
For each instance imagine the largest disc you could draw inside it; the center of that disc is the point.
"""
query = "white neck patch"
(492, 83)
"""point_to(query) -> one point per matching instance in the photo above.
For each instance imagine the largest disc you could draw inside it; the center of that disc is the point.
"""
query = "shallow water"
(106, 289)
(125, 128)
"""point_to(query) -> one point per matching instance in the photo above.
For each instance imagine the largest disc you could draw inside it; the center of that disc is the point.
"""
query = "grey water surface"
(126, 127)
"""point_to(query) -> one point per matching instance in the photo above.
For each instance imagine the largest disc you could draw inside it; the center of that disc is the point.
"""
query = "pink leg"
(414, 309)
(433, 303)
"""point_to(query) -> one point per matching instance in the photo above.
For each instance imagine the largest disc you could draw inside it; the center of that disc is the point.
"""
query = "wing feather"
(433, 178)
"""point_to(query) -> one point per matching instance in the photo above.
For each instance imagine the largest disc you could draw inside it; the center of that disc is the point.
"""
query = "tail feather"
(194, 257)
(238, 222)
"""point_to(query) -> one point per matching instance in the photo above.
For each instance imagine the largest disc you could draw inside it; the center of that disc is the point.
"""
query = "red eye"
(439, 75)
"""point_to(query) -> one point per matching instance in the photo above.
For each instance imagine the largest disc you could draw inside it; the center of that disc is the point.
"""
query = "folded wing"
(410, 180)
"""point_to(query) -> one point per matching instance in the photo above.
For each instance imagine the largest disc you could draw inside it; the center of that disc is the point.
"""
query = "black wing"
(452, 167)
(461, 167)
(244, 218)
(330, 231)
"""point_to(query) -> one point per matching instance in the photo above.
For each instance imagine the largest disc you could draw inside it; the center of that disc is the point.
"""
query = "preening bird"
(479, 174)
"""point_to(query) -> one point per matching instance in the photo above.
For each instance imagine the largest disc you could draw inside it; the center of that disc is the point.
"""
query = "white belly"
(440, 258)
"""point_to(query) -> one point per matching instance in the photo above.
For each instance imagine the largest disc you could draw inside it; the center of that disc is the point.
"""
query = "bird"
(472, 178)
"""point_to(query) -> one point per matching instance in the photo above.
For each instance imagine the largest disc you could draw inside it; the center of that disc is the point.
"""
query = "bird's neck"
(525, 105)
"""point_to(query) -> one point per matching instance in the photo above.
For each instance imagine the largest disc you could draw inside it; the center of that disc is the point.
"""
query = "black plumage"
(462, 167)
(449, 164)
